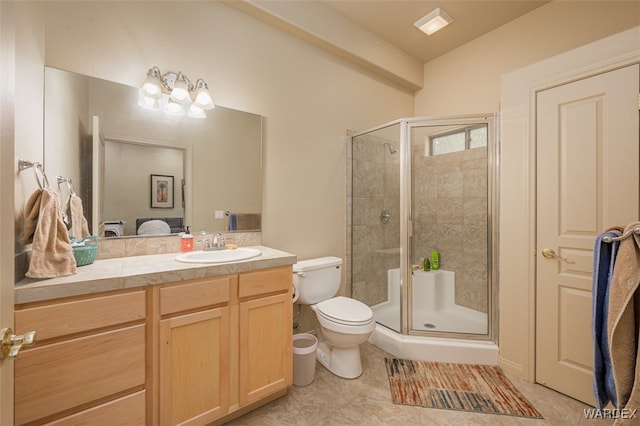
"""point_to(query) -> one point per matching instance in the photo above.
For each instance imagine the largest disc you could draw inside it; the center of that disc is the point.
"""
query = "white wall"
(309, 98)
(29, 91)
(467, 80)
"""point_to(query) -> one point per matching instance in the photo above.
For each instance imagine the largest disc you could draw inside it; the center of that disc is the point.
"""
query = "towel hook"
(62, 179)
(42, 180)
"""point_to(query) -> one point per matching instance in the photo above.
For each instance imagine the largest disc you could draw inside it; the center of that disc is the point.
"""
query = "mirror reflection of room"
(97, 134)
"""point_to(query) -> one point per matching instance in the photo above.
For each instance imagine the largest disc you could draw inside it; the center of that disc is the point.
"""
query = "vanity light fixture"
(435, 20)
(174, 108)
(177, 92)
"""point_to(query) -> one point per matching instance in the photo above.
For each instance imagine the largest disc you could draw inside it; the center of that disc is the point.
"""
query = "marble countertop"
(137, 271)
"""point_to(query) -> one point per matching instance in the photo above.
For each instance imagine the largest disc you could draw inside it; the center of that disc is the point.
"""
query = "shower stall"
(421, 187)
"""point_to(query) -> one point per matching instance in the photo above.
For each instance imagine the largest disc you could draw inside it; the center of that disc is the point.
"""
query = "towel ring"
(42, 180)
(62, 179)
(45, 181)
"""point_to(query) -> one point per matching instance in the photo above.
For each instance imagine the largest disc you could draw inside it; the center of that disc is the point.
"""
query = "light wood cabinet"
(265, 334)
(224, 344)
(194, 351)
(189, 352)
(88, 362)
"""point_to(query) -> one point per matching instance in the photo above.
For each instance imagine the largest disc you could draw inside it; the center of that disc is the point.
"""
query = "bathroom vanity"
(149, 340)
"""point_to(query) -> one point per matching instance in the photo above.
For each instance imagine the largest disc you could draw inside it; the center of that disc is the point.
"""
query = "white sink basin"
(219, 256)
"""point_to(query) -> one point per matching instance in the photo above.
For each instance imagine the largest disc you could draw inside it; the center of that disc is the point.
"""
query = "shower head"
(392, 150)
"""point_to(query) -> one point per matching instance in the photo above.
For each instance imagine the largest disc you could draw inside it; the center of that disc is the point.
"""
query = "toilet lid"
(344, 310)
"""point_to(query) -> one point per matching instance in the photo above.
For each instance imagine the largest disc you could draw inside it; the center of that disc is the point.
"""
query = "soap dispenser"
(187, 241)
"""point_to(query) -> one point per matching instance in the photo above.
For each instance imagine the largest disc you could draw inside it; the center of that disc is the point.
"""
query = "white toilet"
(343, 323)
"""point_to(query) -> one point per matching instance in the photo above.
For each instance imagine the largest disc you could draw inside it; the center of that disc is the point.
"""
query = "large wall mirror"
(130, 164)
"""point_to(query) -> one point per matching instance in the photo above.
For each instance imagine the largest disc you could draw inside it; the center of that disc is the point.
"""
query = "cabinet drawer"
(128, 410)
(81, 315)
(193, 295)
(60, 376)
(265, 281)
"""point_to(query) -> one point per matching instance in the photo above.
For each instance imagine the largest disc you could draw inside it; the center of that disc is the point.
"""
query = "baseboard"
(513, 368)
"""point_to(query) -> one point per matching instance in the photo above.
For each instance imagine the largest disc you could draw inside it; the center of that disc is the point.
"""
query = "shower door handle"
(550, 254)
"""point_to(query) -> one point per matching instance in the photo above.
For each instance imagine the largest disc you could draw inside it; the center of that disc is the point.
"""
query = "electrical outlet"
(219, 214)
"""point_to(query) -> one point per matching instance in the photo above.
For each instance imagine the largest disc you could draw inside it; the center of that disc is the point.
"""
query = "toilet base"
(343, 362)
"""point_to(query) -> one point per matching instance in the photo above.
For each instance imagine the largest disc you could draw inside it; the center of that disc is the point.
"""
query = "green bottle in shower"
(435, 260)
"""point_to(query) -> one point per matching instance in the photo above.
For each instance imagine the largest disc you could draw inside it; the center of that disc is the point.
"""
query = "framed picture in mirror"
(161, 192)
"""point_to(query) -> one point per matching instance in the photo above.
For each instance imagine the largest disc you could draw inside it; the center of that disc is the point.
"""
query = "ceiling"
(392, 20)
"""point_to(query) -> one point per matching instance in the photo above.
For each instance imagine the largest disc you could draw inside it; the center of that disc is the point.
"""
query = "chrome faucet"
(216, 243)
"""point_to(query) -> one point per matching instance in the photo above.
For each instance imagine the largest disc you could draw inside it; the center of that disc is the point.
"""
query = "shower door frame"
(406, 223)
(406, 219)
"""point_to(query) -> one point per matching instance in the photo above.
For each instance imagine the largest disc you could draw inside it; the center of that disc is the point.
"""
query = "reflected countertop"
(138, 271)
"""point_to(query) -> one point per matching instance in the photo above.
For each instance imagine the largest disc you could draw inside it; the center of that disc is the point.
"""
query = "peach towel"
(52, 255)
(623, 323)
(78, 226)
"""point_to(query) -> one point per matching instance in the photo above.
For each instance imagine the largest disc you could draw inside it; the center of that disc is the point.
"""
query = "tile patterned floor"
(330, 400)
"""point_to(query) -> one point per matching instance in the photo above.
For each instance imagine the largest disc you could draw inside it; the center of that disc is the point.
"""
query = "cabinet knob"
(12, 343)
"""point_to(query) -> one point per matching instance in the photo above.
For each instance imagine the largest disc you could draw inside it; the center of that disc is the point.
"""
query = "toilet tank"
(317, 279)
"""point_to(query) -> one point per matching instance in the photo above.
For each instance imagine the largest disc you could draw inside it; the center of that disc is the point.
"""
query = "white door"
(587, 181)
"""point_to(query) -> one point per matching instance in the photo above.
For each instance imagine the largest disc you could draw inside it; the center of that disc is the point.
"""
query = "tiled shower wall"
(449, 213)
(376, 245)
(450, 216)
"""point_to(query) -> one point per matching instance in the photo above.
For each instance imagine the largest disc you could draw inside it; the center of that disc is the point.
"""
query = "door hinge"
(638, 101)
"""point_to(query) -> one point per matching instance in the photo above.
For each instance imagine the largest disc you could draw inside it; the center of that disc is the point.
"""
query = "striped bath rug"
(474, 388)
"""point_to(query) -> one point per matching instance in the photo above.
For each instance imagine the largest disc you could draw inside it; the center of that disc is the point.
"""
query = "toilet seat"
(345, 311)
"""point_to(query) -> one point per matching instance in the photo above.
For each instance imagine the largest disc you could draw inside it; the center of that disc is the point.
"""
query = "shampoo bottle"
(435, 260)
(187, 241)
(427, 264)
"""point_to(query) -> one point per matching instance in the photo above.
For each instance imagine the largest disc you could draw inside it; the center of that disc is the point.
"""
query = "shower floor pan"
(434, 307)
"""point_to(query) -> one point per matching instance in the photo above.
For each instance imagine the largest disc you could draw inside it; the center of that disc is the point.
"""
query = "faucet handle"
(218, 240)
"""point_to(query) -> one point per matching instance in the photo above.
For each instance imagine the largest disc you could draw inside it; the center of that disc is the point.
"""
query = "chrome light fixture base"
(181, 94)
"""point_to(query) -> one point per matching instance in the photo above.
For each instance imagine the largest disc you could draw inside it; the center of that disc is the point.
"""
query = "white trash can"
(304, 358)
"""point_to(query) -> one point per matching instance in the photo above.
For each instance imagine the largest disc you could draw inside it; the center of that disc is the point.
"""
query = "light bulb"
(173, 108)
(203, 97)
(148, 102)
(151, 86)
(196, 112)
(180, 92)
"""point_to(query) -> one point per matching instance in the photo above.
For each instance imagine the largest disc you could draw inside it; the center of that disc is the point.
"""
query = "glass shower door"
(450, 216)
(375, 223)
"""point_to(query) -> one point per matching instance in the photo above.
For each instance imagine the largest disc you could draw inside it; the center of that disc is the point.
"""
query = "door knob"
(550, 254)
(12, 343)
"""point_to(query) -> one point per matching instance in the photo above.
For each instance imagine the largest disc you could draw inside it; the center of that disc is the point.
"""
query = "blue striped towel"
(604, 388)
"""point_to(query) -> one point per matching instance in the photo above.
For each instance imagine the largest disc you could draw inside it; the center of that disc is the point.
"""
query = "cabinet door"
(194, 367)
(265, 346)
